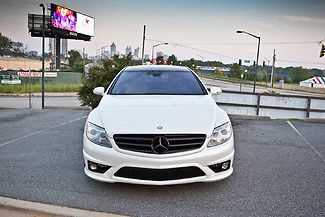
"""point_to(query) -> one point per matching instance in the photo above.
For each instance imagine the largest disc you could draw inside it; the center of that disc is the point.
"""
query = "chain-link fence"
(25, 81)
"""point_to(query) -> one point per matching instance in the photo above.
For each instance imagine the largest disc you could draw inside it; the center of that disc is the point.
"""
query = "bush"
(235, 71)
(299, 74)
(101, 76)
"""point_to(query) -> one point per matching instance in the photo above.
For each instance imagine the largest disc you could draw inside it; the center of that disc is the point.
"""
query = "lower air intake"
(159, 174)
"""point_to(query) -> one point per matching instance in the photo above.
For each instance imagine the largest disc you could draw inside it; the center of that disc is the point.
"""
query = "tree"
(160, 60)
(74, 57)
(17, 49)
(261, 74)
(218, 72)
(12, 48)
(101, 76)
(299, 74)
(235, 71)
(172, 60)
(192, 63)
(5, 45)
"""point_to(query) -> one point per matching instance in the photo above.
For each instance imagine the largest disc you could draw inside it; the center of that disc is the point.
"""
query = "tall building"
(136, 53)
(105, 54)
(51, 46)
(128, 50)
(113, 49)
(64, 47)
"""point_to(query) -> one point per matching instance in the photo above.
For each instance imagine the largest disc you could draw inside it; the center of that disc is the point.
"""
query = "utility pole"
(143, 41)
(272, 73)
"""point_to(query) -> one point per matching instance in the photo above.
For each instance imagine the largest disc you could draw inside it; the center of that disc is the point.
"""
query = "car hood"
(134, 114)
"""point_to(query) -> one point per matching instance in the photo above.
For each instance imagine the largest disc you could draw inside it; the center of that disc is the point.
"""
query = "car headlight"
(97, 135)
(221, 134)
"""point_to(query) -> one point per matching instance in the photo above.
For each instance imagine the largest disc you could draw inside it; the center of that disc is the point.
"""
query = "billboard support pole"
(57, 52)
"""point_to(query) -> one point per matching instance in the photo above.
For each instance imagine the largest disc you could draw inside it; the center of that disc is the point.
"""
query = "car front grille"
(159, 174)
(143, 142)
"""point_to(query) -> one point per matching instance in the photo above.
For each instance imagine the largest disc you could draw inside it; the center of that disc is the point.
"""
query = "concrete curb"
(248, 117)
(314, 120)
(85, 108)
(265, 118)
(39, 209)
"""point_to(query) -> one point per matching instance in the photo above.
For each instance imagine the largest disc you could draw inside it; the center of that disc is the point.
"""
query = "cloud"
(304, 19)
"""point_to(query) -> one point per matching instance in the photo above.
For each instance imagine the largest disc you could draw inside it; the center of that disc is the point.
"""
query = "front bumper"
(116, 159)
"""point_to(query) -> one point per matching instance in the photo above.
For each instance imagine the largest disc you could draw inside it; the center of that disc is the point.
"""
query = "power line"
(193, 48)
(265, 43)
(232, 57)
(296, 61)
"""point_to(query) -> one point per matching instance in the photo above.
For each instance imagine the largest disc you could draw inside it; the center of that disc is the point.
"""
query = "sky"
(206, 27)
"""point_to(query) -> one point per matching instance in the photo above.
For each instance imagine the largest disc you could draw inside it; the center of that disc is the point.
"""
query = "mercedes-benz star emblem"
(160, 145)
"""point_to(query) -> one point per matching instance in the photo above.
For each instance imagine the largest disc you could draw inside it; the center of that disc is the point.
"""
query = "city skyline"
(192, 28)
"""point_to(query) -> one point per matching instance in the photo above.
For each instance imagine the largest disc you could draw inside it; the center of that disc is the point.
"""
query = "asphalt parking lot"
(276, 172)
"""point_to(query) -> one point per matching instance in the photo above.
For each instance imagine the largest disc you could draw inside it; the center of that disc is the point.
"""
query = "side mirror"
(99, 91)
(215, 90)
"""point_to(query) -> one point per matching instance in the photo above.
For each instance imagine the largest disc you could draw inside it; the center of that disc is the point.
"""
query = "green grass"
(38, 88)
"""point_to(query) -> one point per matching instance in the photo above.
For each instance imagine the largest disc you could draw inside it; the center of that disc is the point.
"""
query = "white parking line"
(303, 138)
(40, 131)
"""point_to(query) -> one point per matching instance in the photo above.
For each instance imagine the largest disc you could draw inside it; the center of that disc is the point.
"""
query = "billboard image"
(85, 24)
(65, 19)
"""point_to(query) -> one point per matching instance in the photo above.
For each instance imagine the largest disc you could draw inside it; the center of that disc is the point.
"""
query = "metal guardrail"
(258, 106)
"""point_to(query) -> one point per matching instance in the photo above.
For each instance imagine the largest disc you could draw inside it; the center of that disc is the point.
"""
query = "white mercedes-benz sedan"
(158, 125)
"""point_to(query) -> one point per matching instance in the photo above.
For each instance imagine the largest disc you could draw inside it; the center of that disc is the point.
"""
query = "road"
(23, 102)
(249, 88)
(276, 171)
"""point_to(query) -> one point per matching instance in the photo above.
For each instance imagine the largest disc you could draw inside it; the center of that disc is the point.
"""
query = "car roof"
(157, 68)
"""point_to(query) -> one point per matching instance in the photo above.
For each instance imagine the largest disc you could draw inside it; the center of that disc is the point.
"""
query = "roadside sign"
(247, 63)
(38, 74)
(6, 81)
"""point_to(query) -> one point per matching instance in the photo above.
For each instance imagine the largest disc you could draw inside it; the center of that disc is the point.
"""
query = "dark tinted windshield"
(157, 82)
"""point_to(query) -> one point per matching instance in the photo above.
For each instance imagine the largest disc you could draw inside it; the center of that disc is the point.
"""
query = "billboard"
(71, 21)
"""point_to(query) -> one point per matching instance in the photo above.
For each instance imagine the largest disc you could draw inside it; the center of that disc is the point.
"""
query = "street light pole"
(258, 52)
(43, 53)
(153, 48)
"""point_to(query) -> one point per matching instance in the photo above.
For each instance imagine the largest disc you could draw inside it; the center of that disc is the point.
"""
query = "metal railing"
(306, 104)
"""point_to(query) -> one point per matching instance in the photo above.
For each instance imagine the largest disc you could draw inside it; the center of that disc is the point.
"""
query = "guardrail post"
(258, 104)
(308, 107)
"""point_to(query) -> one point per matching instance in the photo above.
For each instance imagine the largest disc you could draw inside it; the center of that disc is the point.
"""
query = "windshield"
(157, 83)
